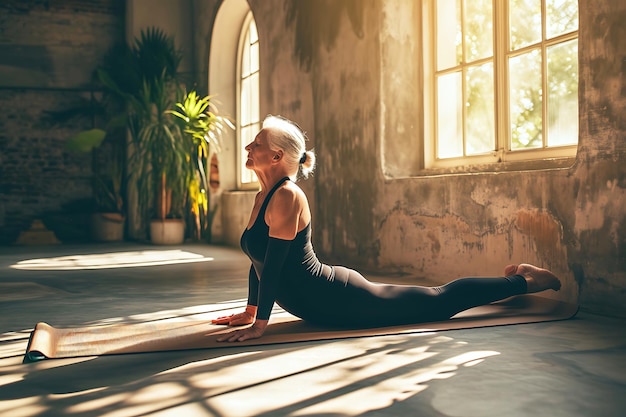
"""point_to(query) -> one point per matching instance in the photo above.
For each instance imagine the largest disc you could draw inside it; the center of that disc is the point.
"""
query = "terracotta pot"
(167, 232)
(107, 227)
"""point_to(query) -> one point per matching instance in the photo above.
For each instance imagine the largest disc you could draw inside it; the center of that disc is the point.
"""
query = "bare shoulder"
(287, 211)
(293, 188)
(288, 198)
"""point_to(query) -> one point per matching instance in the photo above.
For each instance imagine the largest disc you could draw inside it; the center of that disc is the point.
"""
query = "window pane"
(525, 23)
(253, 35)
(525, 109)
(245, 102)
(254, 57)
(563, 94)
(561, 17)
(449, 36)
(245, 60)
(478, 29)
(254, 97)
(449, 116)
(480, 130)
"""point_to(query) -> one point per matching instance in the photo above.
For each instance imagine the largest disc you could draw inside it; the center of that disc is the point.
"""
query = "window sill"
(511, 166)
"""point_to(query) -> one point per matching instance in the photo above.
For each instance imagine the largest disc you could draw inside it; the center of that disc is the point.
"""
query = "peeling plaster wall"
(472, 225)
(349, 72)
(597, 252)
(376, 211)
(345, 75)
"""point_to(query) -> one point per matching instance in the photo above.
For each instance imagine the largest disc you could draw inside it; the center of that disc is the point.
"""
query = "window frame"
(241, 142)
(501, 55)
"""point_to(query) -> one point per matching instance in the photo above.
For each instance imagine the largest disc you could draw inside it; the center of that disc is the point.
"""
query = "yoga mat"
(47, 342)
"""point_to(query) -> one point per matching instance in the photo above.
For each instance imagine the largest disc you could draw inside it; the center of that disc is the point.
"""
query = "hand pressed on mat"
(240, 319)
(253, 332)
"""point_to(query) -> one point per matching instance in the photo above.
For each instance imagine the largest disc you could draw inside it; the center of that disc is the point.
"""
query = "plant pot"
(107, 227)
(167, 232)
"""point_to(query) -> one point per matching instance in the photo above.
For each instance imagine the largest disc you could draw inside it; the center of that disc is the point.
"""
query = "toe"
(510, 270)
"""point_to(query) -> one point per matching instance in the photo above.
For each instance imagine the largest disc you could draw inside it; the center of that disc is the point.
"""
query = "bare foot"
(537, 279)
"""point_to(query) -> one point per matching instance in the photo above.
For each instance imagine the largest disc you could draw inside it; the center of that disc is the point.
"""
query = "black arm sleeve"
(277, 250)
(253, 287)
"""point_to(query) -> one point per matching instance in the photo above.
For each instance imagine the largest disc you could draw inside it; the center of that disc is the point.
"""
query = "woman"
(286, 270)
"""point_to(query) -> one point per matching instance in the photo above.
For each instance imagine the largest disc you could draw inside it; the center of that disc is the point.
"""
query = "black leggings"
(360, 302)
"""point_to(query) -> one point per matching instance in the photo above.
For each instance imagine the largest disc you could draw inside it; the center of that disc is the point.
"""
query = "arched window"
(248, 115)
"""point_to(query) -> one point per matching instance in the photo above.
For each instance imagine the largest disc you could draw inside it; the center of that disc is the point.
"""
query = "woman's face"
(259, 153)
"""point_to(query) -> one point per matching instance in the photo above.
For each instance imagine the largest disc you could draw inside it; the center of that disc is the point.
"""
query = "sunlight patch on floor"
(344, 377)
(347, 378)
(111, 260)
(384, 392)
(23, 407)
(202, 312)
(149, 399)
(98, 403)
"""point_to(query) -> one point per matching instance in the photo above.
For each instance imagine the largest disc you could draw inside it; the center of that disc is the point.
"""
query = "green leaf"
(86, 140)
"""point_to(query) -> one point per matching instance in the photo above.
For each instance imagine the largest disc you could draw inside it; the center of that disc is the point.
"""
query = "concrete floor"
(569, 368)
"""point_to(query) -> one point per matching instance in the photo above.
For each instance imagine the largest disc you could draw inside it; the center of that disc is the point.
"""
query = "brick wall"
(48, 51)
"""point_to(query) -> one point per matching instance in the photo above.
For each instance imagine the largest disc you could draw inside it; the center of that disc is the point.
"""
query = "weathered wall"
(376, 210)
(351, 71)
(597, 251)
(48, 51)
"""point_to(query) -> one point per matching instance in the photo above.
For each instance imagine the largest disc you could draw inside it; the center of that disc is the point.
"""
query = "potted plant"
(201, 127)
(107, 219)
(107, 149)
(170, 143)
(144, 76)
(158, 162)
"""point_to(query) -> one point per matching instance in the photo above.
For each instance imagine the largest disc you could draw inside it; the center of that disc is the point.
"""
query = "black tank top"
(254, 240)
(303, 276)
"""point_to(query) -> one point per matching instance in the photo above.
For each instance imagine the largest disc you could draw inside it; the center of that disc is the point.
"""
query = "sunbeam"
(111, 260)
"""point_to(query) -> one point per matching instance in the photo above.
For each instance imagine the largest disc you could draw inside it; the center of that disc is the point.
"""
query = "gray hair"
(287, 136)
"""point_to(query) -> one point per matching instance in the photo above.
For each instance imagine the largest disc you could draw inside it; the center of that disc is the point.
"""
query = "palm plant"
(202, 128)
(144, 76)
(160, 153)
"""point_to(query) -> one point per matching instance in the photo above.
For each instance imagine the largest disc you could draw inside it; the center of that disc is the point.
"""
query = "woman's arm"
(283, 216)
(249, 314)
(275, 256)
(253, 287)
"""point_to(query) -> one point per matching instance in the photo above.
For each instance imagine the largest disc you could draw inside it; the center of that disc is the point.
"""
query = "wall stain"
(436, 246)
(542, 228)
(579, 275)
(317, 23)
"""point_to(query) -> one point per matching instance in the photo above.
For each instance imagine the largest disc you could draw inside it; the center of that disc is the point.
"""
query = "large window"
(502, 80)
(248, 119)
